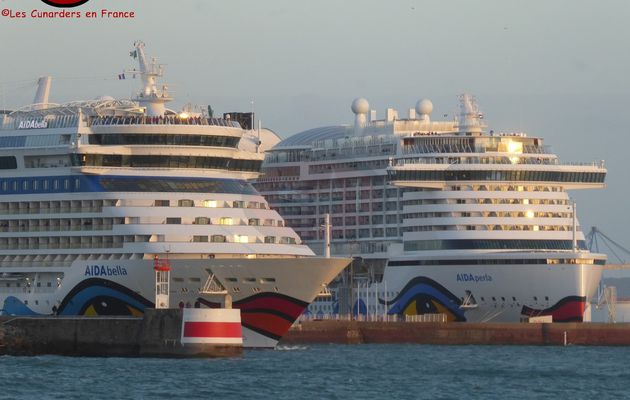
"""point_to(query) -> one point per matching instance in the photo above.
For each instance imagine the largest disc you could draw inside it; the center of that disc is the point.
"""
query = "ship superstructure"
(440, 216)
(93, 192)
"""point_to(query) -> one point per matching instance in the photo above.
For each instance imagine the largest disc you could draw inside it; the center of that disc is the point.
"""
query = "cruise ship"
(94, 194)
(441, 217)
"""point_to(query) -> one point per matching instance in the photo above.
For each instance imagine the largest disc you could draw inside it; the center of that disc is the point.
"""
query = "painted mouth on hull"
(568, 309)
(423, 295)
(269, 314)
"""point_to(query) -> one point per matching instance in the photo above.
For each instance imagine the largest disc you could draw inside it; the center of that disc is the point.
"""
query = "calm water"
(333, 372)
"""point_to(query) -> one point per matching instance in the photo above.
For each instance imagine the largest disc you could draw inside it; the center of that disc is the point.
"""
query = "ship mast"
(151, 97)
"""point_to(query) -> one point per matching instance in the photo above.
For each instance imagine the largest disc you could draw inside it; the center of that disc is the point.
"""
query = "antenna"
(575, 246)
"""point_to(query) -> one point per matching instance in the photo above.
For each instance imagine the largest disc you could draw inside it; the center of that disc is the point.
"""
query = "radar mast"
(151, 97)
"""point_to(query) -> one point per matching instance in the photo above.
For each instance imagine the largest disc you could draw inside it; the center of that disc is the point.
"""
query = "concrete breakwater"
(357, 332)
(157, 334)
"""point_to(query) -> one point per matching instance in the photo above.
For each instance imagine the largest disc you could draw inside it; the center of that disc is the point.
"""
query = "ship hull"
(271, 293)
(499, 293)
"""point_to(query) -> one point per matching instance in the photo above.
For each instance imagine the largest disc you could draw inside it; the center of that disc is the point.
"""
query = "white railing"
(375, 318)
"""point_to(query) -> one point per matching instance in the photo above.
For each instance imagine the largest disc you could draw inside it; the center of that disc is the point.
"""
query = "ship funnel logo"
(65, 3)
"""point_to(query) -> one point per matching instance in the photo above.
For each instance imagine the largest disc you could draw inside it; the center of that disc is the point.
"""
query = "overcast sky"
(553, 69)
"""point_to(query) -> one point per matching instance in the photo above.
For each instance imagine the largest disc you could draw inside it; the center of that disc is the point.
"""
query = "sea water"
(332, 372)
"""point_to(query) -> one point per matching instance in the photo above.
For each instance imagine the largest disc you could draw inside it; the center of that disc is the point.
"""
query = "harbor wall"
(156, 334)
(357, 332)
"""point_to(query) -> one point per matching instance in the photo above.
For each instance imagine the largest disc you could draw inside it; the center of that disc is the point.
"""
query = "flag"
(121, 76)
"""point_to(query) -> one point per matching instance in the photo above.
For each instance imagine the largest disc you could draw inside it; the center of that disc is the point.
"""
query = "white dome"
(360, 106)
(424, 107)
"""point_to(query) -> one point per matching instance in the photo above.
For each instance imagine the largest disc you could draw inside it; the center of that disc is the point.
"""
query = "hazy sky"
(556, 69)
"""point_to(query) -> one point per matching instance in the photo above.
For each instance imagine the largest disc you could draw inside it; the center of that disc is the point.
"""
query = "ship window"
(254, 222)
(8, 162)
(201, 185)
(173, 220)
(162, 140)
(218, 238)
(459, 244)
(287, 240)
(231, 279)
(270, 239)
(200, 239)
(202, 221)
(238, 204)
(494, 298)
(267, 280)
(5, 186)
(241, 238)
(185, 203)
(56, 184)
(25, 185)
(225, 221)
(49, 284)
(535, 298)
(66, 184)
(162, 203)
(547, 298)
(210, 203)
(154, 161)
(249, 280)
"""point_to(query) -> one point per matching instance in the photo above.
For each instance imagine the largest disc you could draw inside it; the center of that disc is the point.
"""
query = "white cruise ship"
(92, 192)
(440, 216)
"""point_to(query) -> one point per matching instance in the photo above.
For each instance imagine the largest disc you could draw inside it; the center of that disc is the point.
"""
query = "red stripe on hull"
(572, 311)
(569, 309)
(284, 306)
(266, 322)
(212, 330)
